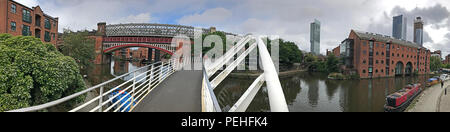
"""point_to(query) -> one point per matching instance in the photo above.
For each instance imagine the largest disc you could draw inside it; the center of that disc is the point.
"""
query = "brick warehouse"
(374, 55)
(18, 19)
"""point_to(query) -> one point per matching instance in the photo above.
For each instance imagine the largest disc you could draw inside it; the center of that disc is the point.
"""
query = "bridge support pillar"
(157, 56)
(150, 54)
(106, 58)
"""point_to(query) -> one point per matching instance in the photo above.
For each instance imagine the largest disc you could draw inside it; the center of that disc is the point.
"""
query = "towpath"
(429, 100)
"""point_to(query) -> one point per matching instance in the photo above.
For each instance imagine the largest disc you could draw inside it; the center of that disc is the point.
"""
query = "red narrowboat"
(400, 100)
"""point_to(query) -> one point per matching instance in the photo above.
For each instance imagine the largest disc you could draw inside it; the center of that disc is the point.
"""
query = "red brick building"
(17, 19)
(374, 55)
(447, 59)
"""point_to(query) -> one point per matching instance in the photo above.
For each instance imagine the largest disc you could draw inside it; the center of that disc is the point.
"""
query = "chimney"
(101, 28)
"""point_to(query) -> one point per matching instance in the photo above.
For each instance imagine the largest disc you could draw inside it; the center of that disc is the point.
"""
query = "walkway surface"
(180, 92)
(428, 101)
(444, 104)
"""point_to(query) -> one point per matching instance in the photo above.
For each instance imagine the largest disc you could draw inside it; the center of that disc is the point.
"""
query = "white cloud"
(28, 3)
(211, 16)
(140, 18)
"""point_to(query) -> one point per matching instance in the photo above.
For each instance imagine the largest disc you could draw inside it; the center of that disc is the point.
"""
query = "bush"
(33, 73)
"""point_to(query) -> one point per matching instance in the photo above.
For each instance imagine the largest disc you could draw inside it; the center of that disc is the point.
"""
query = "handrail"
(154, 79)
(270, 76)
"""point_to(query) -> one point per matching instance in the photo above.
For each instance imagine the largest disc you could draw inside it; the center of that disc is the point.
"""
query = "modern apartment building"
(373, 55)
(418, 31)
(18, 19)
(315, 37)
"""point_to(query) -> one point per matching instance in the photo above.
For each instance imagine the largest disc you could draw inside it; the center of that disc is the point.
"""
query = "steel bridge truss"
(270, 77)
(145, 29)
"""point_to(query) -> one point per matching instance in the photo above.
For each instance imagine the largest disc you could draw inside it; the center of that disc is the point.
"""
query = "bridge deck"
(180, 92)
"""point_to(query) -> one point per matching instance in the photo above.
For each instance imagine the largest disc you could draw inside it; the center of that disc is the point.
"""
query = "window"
(376, 71)
(47, 36)
(13, 26)
(47, 24)
(53, 36)
(26, 15)
(382, 70)
(376, 62)
(26, 30)
(382, 62)
(364, 61)
(13, 8)
(364, 71)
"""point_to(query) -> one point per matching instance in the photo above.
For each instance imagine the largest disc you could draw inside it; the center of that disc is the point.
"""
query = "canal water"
(313, 92)
(102, 73)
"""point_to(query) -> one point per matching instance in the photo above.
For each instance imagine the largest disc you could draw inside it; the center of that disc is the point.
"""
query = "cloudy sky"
(290, 19)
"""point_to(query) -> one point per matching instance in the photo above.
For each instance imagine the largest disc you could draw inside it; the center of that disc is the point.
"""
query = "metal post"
(100, 101)
(134, 87)
(160, 71)
(151, 77)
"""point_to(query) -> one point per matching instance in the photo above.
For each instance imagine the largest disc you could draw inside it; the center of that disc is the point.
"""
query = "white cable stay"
(277, 100)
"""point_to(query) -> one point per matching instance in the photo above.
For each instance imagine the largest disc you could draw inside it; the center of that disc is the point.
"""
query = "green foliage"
(33, 73)
(446, 66)
(435, 63)
(78, 46)
(330, 65)
(289, 53)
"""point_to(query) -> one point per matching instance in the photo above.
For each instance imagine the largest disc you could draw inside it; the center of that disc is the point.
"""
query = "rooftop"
(386, 39)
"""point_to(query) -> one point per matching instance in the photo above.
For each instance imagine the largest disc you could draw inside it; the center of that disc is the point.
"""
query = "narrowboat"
(433, 81)
(123, 99)
(400, 100)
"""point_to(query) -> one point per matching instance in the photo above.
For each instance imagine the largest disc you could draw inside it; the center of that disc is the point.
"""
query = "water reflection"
(313, 92)
(122, 67)
(102, 73)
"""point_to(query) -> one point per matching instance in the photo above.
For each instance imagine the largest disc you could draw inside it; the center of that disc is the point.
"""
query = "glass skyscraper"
(399, 27)
(315, 37)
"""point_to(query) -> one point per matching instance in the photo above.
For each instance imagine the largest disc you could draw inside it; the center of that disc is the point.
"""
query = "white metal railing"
(277, 100)
(119, 98)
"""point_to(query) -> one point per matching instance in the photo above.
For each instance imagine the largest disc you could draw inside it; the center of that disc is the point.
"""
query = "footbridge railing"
(277, 100)
(111, 96)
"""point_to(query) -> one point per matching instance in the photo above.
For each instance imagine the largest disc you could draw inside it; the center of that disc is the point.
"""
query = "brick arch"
(114, 48)
(399, 68)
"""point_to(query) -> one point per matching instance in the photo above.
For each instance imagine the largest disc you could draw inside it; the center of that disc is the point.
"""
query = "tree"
(435, 63)
(78, 46)
(33, 73)
(332, 64)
